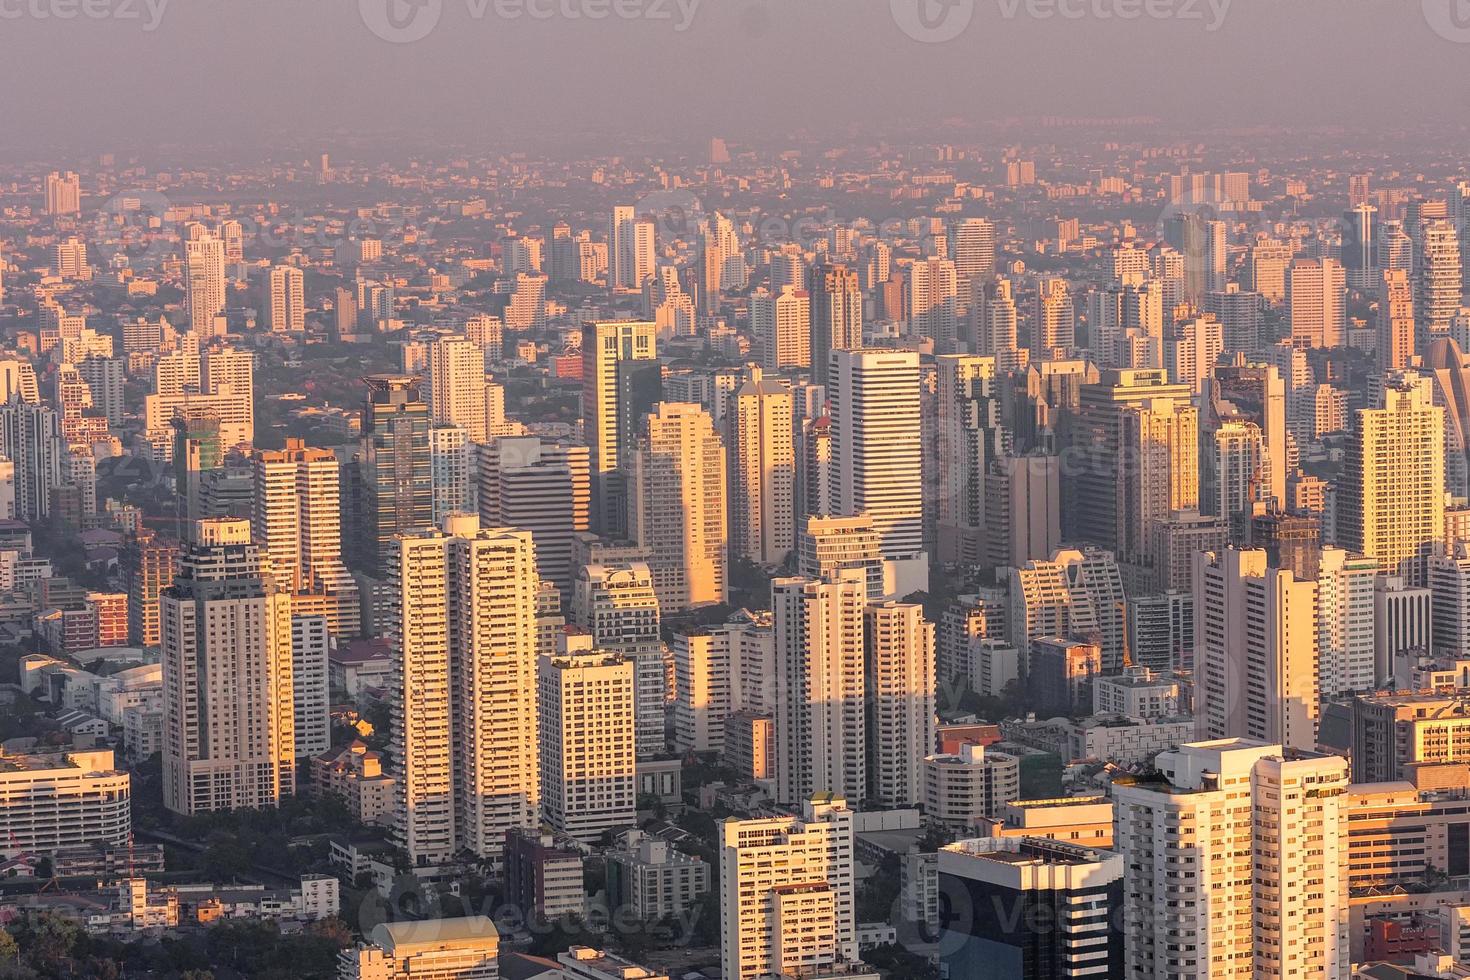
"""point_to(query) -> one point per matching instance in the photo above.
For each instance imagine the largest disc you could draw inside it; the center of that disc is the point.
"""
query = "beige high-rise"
(457, 385)
(762, 469)
(676, 506)
(899, 686)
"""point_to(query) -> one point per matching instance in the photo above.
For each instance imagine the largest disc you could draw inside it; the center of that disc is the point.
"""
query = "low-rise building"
(653, 878)
(51, 801)
(963, 790)
(543, 876)
(425, 949)
(355, 774)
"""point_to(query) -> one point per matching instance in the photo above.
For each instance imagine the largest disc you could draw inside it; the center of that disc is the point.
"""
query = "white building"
(786, 892)
(617, 604)
(899, 686)
(425, 949)
(50, 801)
(962, 790)
(588, 740)
(718, 671)
(310, 645)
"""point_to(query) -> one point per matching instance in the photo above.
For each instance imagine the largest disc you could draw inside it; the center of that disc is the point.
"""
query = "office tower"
(588, 737)
(1265, 269)
(677, 506)
(1137, 436)
(1054, 322)
(1259, 680)
(311, 694)
(968, 437)
(781, 325)
(1036, 908)
(541, 486)
(899, 686)
(396, 471)
(877, 454)
(1059, 675)
(932, 300)
(1022, 509)
(1345, 614)
(1315, 295)
(204, 280)
(1360, 248)
(1446, 366)
(150, 562)
(836, 303)
(457, 387)
(1255, 832)
(617, 605)
(462, 631)
(972, 249)
(30, 437)
(285, 299)
(1395, 247)
(762, 469)
(994, 325)
(1391, 495)
(1402, 628)
(63, 193)
(1396, 336)
(787, 894)
(452, 465)
(820, 687)
(229, 722)
(297, 520)
(1239, 313)
(1437, 279)
(69, 259)
(614, 396)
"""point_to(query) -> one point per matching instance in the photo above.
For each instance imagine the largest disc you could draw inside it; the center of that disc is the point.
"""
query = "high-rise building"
(1054, 321)
(587, 741)
(614, 396)
(452, 465)
(541, 486)
(820, 687)
(781, 325)
(972, 249)
(836, 304)
(932, 301)
(630, 250)
(828, 547)
(995, 325)
(1437, 279)
(616, 604)
(311, 691)
(462, 628)
(1202, 243)
(1036, 908)
(63, 193)
(297, 521)
(787, 893)
(762, 470)
(968, 437)
(30, 437)
(229, 721)
(676, 506)
(877, 453)
(457, 385)
(204, 280)
(1391, 495)
(1234, 864)
(720, 671)
(1255, 650)
(150, 563)
(1396, 336)
(1239, 313)
(1316, 296)
(899, 687)
(397, 474)
(285, 299)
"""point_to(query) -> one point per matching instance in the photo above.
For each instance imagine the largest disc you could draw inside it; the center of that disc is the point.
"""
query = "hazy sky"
(245, 71)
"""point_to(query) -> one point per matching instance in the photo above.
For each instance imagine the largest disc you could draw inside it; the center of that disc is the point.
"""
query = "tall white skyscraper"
(878, 454)
(972, 249)
(457, 387)
(933, 301)
(462, 630)
(781, 325)
(762, 469)
(899, 687)
(676, 506)
(1255, 650)
(1317, 299)
(630, 250)
(204, 279)
(587, 739)
(1235, 864)
(1437, 279)
(285, 299)
(229, 715)
(617, 605)
(787, 894)
(820, 684)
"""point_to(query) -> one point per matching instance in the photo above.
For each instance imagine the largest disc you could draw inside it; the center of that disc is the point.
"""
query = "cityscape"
(716, 490)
